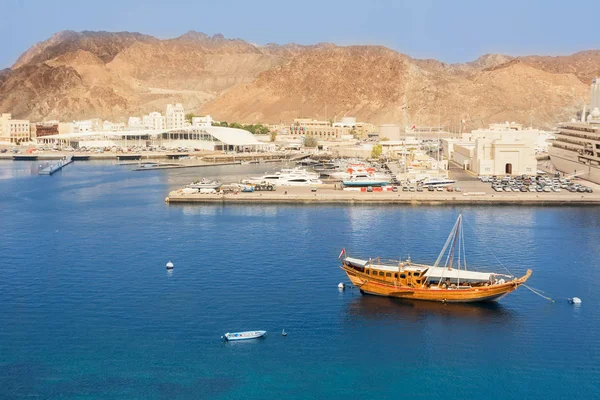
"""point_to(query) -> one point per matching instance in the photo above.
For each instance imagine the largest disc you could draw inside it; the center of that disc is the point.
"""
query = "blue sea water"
(88, 311)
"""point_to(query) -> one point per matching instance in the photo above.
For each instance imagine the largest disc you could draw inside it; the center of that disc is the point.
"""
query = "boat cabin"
(408, 274)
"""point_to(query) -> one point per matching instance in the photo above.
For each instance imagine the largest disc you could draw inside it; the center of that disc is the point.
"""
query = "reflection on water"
(377, 307)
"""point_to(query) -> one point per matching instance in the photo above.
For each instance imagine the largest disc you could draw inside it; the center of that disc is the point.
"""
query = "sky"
(449, 31)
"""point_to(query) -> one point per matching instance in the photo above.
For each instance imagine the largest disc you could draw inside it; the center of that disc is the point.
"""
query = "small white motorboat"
(243, 335)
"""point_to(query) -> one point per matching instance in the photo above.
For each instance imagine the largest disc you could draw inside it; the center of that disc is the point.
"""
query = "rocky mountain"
(76, 75)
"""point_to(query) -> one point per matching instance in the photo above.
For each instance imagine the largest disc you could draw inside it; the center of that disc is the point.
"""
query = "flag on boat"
(342, 253)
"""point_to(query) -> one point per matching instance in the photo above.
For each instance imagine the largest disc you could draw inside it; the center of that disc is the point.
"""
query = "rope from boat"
(535, 291)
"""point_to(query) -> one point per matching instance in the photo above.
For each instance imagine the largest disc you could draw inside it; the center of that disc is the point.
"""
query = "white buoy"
(575, 300)
(341, 286)
(170, 265)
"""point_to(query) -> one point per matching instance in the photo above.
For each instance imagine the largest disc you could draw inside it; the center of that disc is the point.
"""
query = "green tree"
(189, 116)
(310, 141)
(273, 136)
(222, 123)
(264, 130)
(376, 151)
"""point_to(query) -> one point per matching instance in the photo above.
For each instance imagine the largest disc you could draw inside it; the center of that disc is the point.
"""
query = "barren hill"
(114, 75)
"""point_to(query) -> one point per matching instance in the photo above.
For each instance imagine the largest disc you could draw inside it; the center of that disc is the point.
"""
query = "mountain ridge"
(116, 74)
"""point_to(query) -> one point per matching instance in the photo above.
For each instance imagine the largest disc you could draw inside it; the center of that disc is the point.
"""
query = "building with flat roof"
(175, 116)
(14, 131)
(202, 122)
(46, 128)
(501, 149)
(322, 130)
(154, 121)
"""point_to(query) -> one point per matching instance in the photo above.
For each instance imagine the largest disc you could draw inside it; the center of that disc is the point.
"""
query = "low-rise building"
(154, 121)
(88, 125)
(202, 122)
(356, 129)
(211, 138)
(113, 126)
(15, 131)
(322, 130)
(501, 149)
(46, 128)
(134, 123)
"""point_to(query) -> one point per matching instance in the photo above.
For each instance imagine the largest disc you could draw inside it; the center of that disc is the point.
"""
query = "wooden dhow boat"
(448, 283)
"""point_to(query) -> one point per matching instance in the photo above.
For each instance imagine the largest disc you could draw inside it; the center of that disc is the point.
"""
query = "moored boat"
(444, 283)
(437, 182)
(243, 335)
(205, 183)
(365, 181)
(287, 177)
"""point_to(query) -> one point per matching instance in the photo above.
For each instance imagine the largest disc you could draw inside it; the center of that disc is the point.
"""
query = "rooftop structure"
(212, 138)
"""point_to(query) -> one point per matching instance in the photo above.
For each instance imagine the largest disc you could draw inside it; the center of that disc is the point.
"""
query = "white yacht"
(438, 182)
(354, 170)
(205, 184)
(365, 180)
(287, 177)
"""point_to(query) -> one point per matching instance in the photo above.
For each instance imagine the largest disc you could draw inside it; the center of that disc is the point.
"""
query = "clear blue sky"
(450, 31)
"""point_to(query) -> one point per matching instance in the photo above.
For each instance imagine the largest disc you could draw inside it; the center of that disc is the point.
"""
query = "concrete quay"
(327, 195)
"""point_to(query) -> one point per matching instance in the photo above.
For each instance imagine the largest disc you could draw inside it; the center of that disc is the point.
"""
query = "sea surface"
(88, 310)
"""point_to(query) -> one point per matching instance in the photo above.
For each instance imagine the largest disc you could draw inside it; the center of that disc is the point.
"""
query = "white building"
(135, 123)
(154, 121)
(14, 131)
(202, 122)
(397, 148)
(175, 116)
(501, 149)
(113, 126)
(88, 125)
(214, 138)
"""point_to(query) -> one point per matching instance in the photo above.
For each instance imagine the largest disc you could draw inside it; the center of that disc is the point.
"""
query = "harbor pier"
(330, 194)
(52, 168)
